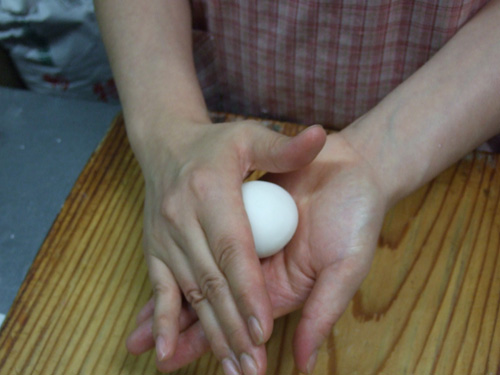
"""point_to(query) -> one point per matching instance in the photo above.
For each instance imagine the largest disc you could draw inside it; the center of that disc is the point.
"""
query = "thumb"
(332, 292)
(278, 153)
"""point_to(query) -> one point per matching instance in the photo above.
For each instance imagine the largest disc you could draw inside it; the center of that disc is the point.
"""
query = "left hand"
(341, 206)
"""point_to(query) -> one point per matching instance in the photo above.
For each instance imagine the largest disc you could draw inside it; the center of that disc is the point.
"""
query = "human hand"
(341, 209)
(197, 239)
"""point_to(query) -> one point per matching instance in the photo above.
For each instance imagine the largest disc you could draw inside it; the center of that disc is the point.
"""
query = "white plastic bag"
(57, 48)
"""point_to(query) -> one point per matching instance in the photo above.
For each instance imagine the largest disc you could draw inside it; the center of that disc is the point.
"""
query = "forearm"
(447, 108)
(150, 51)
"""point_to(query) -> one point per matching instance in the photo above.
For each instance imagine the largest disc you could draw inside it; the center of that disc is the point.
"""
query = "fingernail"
(248, 364)
(255, 331)
(312, 362)
(161, 348)
(229, 367)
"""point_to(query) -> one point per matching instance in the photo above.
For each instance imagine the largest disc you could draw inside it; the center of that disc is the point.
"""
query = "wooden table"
(431, 304)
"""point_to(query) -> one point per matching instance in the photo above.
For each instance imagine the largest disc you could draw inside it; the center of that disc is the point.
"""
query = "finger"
(230, 239)
(274, 152)
(191, 345)
(148, 309)
(167, 307)
(146, 312)
(214, 332)
(331, 294)
(142, 340)
(207, 291)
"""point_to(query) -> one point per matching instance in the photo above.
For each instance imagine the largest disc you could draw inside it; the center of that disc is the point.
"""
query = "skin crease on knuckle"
(163, 290)
(243, 138)
(212, 288)
(215, 289)
(227, 252)
(161, 320)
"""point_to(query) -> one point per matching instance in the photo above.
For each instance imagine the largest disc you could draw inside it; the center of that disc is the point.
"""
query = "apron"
(315, 61)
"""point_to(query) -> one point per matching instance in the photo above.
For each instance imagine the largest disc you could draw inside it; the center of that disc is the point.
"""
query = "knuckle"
(194, 297)
(169, 209)
(227, 252)
(161, 320)
(245, 129)
(214, 286)
(250, 125)
(243, 137)
(202, 182)
(275, 147)
(161, 290)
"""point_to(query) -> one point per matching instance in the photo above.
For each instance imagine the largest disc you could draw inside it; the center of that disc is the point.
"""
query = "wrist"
(153, 135)
(395, 175)
(340, 152)
(155, 112)
(444, 110)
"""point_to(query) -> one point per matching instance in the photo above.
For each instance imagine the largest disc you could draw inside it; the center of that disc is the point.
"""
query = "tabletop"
(430, 304)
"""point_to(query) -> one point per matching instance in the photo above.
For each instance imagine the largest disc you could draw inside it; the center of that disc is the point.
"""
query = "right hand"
(197, 239)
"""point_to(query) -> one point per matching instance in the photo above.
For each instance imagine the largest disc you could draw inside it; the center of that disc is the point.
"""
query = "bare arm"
(446, 109)
(150, 50)
(197, 239)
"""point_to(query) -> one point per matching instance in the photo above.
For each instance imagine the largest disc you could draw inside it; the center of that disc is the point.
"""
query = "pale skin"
(197, 240)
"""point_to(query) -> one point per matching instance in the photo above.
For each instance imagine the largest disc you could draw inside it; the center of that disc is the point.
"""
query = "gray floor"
(44, 144)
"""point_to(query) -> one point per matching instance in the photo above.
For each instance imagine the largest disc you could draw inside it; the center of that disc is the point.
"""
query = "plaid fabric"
(316, 61)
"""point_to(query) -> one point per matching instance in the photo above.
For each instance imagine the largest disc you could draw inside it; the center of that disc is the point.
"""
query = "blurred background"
(54, 47)
(57, 100)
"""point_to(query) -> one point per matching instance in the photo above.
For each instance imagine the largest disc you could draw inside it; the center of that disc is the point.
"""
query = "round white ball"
(273, 216)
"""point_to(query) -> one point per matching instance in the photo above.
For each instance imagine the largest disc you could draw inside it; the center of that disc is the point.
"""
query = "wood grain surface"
(430, 305)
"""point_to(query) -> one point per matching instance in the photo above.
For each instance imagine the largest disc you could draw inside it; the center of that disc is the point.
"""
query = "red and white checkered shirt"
(316, 61)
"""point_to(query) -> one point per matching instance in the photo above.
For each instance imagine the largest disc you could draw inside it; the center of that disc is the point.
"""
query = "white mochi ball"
(273, 216)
